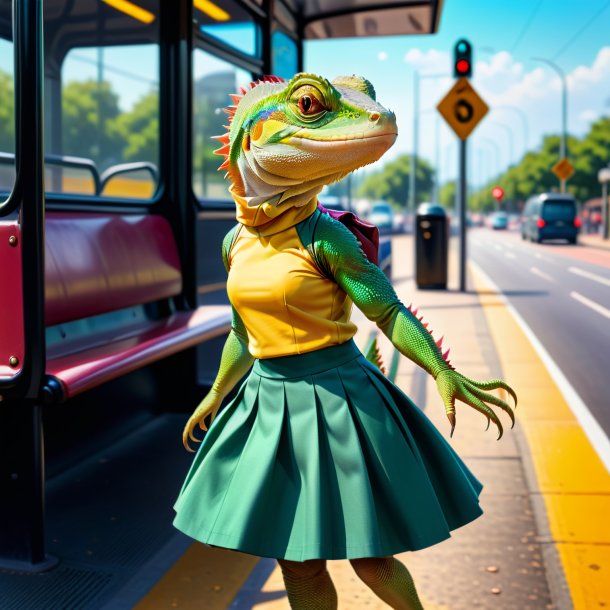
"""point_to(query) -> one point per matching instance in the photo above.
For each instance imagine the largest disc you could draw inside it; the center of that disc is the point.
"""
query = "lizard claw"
(451, 418)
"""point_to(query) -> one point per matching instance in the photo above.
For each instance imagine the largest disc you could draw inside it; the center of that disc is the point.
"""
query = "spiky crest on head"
(225, 138)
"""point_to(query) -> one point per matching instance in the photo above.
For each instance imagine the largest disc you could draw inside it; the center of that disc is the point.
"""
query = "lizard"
(284, 142)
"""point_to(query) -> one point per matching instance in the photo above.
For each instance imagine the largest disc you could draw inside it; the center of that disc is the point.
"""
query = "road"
(563, 293)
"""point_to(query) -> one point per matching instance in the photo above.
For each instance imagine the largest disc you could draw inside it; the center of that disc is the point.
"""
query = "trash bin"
(431, 246)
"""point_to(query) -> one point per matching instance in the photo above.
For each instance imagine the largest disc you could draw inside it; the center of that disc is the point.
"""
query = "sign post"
(462, 108)
(604, 177)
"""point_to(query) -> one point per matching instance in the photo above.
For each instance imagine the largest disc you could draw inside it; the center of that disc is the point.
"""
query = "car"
(499, 221)
(382, 215)
(550, 216)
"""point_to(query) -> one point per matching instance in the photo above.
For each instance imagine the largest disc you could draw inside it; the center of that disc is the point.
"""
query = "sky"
(505, 35)
(524, 94)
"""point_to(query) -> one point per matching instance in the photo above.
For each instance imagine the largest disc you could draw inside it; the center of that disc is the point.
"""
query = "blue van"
(550, 216)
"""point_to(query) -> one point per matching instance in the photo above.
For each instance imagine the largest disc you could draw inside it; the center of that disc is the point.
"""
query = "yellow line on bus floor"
(571, 478)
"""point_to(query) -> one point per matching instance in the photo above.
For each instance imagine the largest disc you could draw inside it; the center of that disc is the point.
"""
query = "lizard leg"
(389, 580)
(308, 585)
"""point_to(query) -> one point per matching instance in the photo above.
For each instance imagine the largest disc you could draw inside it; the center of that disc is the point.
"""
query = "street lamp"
(496, 148)
(412, 185)
(511, 141)
(437, 145)
(511, 147)
(564, 109)
(524, 123)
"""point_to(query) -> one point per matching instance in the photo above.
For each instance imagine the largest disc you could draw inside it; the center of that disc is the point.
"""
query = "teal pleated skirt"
(319, 455)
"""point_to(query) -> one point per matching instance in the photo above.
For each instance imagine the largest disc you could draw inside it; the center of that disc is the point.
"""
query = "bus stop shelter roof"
(348, 18)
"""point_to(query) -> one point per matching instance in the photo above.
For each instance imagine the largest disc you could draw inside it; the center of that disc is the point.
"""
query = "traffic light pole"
(462, 202)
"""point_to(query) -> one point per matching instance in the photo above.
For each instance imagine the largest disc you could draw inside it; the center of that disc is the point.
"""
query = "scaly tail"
(373, 355)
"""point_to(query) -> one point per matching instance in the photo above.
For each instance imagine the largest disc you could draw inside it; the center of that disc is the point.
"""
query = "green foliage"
(447, 195)
(89, 129)
(391, 182)
(7, 113)
(534, 173)
(139, 129)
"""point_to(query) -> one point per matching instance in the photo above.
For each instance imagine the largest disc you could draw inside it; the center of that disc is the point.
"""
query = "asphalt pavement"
(563, 294)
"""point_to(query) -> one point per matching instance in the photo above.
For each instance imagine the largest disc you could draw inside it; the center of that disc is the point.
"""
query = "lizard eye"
(309, 101)
(309, 105)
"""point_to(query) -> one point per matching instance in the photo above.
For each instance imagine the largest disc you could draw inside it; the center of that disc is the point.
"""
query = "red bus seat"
(97, 263)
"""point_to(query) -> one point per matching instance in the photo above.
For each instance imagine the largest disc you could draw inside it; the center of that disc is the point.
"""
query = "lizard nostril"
(374, 116)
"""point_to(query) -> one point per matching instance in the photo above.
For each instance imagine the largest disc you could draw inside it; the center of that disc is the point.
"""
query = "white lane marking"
(590, 425)
(591, 304)
(589, 275)
(498, 247)
(509, 255)
(543, 258)
(542, 274)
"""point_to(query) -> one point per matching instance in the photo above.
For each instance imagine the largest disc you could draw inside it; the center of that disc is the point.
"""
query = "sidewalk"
(594, 241)
(504, 560)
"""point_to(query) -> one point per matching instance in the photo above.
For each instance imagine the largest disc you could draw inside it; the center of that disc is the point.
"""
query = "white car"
(382, 215)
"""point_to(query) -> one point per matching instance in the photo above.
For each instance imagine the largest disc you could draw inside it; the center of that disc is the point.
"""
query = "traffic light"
(462, 59)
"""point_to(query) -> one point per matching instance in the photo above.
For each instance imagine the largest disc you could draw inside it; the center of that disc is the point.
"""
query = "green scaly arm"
(235, 362)
(340, 257)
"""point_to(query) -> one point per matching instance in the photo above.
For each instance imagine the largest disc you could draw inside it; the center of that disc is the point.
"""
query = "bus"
(112, 213)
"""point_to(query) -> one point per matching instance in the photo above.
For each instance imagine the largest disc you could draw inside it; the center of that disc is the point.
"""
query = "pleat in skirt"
(320, 456)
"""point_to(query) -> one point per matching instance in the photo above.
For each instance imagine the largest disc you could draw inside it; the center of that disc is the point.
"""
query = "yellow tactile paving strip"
(572, 480)
(204, 577)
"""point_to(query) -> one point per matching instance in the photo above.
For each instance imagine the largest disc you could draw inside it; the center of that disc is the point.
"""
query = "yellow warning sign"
(563, 169)
(462, 108)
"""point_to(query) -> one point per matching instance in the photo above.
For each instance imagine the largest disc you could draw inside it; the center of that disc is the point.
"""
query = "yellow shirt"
(286, 304)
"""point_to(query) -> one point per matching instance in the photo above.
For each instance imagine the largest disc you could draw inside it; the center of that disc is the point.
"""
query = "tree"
(139, 129)
(89, 113)
(447, 195)
(7, 113)
(534, 173)
(392, 183)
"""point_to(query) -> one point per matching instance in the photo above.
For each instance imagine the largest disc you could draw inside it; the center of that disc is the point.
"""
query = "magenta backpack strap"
(365, 232)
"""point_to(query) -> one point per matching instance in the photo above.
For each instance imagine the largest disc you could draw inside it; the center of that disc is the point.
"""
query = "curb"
(555, 576)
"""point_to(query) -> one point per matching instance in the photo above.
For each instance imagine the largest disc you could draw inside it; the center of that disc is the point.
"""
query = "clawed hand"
(208, 406)
(454, 386)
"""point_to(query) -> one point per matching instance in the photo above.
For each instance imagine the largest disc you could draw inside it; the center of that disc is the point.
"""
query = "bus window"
(285, 56)
(213, 80)
(7, 103)
(109, 118)
(229, 22)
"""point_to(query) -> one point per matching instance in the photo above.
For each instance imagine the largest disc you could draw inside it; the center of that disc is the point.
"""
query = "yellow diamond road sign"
(563, 169)
(462, 108)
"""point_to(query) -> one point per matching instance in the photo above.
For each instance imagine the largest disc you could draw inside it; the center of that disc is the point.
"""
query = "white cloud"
(432, 61)
(588, 116)
(382, 56)
(533, 89)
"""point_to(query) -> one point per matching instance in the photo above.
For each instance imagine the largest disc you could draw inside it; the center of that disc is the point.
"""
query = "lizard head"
(286, 140)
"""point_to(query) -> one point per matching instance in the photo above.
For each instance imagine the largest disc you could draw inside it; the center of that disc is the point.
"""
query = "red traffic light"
(462, 66)
(497, 192)
(462, 59)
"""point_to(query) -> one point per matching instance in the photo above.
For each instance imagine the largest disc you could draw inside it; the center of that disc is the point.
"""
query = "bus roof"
(348, 18)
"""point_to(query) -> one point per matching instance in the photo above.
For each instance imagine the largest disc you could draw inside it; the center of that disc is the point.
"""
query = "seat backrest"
(96, 263)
